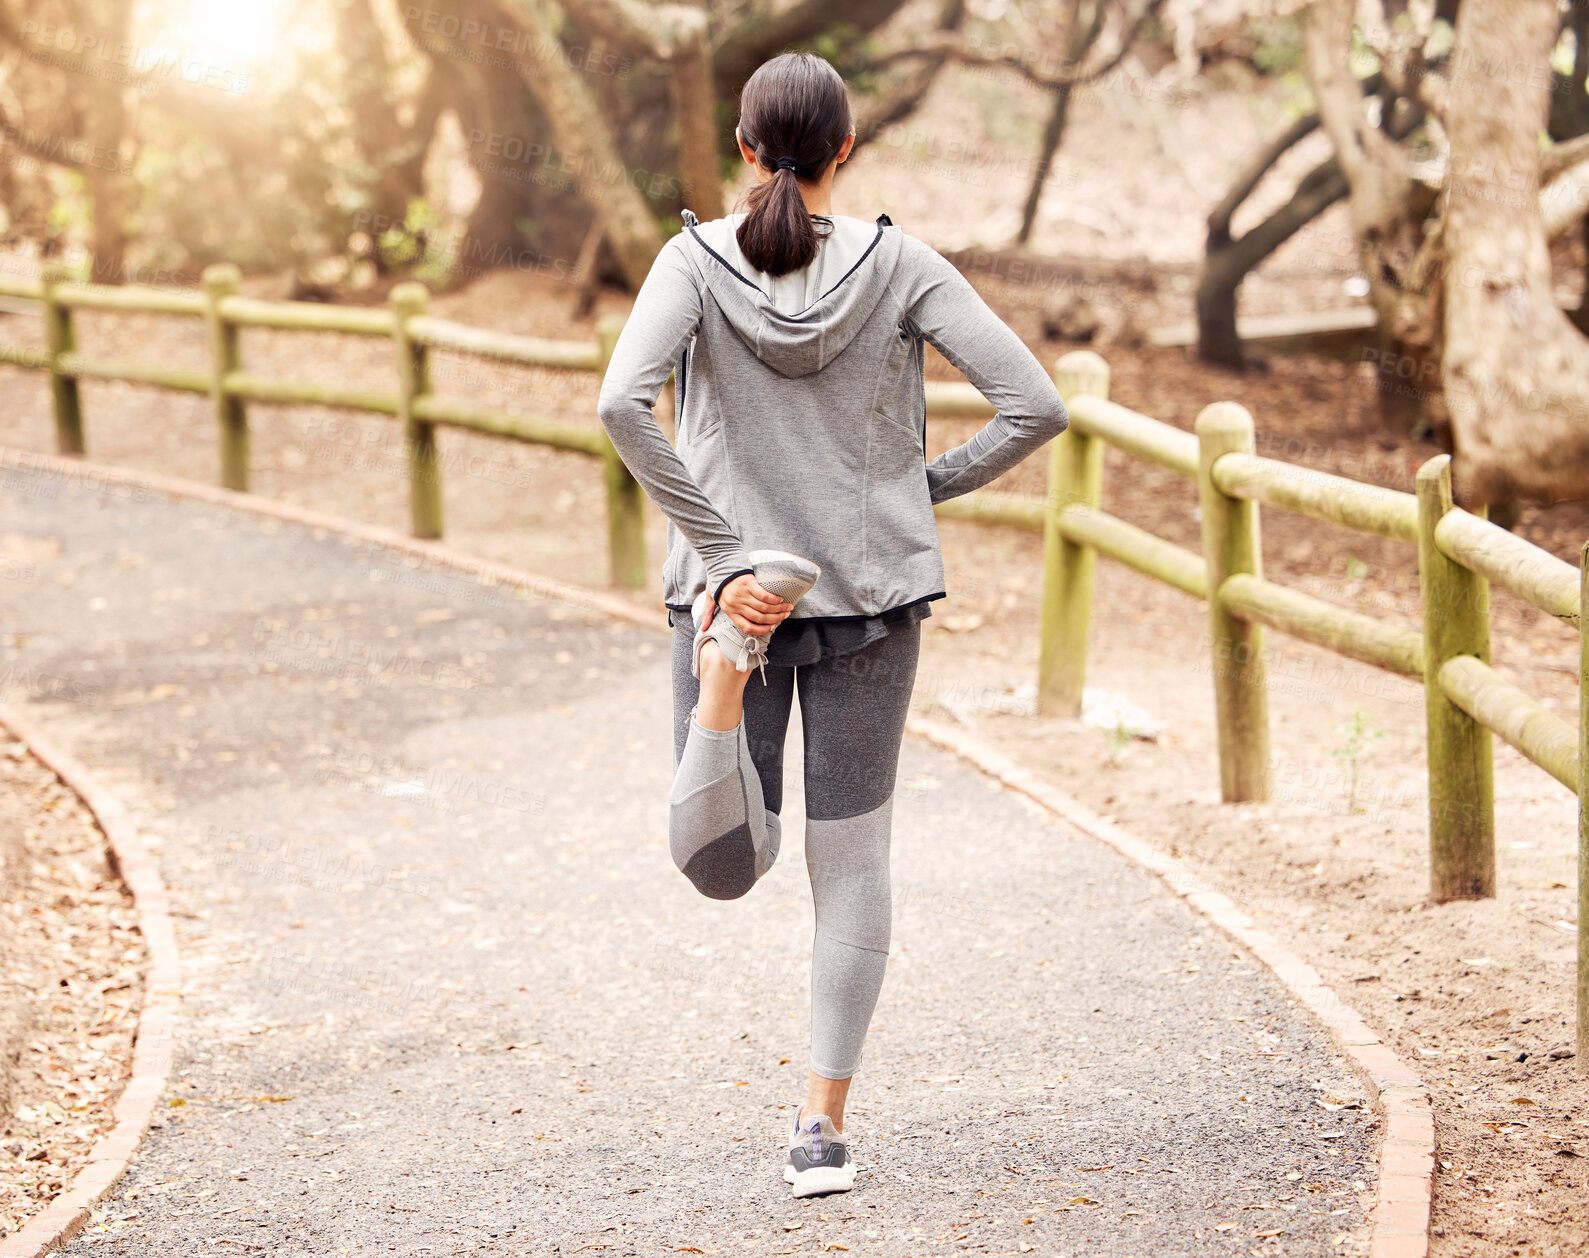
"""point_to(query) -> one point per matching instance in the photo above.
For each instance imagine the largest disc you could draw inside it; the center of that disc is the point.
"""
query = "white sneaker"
(819, 1159)
(778, 572)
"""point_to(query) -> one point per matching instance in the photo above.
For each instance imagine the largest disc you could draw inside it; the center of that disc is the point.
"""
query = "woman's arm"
(951, 315)
(666, 313)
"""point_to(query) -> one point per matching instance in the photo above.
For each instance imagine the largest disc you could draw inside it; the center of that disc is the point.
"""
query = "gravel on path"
(447, 993)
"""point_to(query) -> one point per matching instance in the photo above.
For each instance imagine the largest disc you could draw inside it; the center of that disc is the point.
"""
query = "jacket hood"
(799, 344)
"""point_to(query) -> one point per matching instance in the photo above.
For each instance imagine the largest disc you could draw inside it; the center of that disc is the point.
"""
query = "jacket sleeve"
(951, 315)
(666, 313)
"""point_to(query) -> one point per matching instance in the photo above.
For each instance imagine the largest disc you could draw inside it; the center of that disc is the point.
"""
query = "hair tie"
(784, 163)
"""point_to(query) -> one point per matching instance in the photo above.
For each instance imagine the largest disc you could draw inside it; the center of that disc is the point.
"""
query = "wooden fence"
(1459, 553)
(404, 322)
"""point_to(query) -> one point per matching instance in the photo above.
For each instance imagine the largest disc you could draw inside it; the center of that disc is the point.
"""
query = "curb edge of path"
(110, 1155)
(1400, 1227)
(484, 571)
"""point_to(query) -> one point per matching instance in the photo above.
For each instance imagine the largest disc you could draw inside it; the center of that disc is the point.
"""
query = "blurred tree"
(1083, 25)
(1516, 370)
(76, 112)
(1404, 173)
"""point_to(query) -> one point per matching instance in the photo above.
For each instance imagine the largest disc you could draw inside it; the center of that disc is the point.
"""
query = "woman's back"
(801, 409)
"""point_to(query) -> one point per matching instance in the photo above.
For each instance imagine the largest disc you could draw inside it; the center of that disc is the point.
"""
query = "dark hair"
(796, 107)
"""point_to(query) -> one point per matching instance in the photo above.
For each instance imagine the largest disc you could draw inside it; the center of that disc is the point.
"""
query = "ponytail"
(794, 113)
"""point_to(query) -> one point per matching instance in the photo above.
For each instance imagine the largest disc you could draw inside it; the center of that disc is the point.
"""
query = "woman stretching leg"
(852, 710)
(802, 542)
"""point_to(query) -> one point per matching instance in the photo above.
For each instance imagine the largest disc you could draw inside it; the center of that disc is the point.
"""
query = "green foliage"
(1278, 44)
(69, 216)
(1356, 569)
(1354, 738)
(403, 244)
(1363, 59)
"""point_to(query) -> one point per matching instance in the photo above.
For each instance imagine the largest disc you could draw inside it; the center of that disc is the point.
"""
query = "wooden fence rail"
(413, 333)
(1459, 553)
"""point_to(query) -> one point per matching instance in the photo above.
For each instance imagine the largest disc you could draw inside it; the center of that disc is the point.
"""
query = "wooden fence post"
(1582, 1059)
(1075, 476)
(1231, 545)
(1583, 814)
(409, 299)
(1456, 621)
(626, 529)
(231, 416)
(60, 338)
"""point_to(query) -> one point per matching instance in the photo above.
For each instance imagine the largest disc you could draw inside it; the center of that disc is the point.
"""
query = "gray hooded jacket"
(806, 431)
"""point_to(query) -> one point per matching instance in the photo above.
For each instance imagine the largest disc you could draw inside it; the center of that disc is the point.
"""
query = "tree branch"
(950, 46)
(1219, 218)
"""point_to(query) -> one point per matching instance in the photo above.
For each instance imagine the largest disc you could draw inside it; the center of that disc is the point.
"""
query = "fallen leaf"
(1088, 1201)
(1223, 1227)
(795, 1226)
(1263, 1236)
(1107, 1166)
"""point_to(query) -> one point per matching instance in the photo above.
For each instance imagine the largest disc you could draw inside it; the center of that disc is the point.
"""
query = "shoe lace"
(754, 651)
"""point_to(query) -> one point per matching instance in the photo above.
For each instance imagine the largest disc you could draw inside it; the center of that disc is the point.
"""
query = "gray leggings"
(852, 718)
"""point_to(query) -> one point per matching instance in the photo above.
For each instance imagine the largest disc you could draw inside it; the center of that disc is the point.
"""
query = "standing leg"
(723, 826)
(852, 711)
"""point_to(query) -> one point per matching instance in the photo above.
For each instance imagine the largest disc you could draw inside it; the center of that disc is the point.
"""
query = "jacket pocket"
(899, 399)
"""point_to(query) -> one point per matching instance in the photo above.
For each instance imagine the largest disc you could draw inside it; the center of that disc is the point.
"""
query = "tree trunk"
(695, 106)
(1516, 370)
(396, 152)
(1388, 211)
(1227, 260)
(1079, 37)
(107, 175)
(765, 33)
(581, 132)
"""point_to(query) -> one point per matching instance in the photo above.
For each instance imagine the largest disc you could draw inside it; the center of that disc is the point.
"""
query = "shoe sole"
(790, 586)
(820, 1180)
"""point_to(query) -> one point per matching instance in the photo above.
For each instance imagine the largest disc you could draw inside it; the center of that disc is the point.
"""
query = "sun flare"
(218, 33)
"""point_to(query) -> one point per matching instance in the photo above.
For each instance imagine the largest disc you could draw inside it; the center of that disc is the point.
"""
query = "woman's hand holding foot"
(751, 607)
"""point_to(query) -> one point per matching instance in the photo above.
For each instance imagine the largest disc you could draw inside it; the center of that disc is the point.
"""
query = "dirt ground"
(1478, 995)
(71, 989)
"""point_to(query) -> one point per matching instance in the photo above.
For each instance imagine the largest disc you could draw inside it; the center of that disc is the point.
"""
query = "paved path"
(446, 993)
